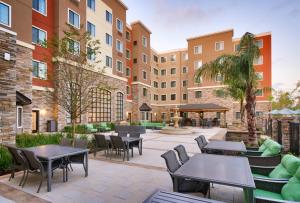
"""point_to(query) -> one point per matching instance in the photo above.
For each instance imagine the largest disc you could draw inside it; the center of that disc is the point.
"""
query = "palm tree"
(238, 72)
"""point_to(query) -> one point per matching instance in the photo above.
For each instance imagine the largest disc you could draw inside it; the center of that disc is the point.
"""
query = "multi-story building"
(147, 84)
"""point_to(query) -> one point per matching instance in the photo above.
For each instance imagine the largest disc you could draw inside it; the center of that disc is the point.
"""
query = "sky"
(173, 21)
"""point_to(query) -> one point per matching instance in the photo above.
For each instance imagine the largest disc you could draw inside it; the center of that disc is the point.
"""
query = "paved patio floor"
(113, 180)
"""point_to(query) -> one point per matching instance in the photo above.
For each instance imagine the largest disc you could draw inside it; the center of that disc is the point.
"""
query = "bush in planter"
(5, 159)
(30, 140)
(80, 129)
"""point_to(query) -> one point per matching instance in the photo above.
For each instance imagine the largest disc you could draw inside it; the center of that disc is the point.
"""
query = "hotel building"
(147, 83)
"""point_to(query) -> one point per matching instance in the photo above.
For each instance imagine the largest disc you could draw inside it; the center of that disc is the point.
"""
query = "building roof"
(256, 35)
(142, 24)
(209, 34)
(145, 107)
(207, 107)
(21, 99)
(122, 4)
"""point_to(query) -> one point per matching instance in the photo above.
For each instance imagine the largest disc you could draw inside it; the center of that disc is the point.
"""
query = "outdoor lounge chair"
(101, 144)
(122, 134)
(135, 135)
(19, 162)
(104, 127)
(183, 156)
(284, 171)
(119, 146)
(35, 166)
(78, 159)
(270, 191)
(184, 185)
(91, 129)
(201, 144)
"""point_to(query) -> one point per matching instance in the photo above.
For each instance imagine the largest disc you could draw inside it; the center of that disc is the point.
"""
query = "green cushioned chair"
(91, 128)
(103, 127)
(285, 170)
(278, 191)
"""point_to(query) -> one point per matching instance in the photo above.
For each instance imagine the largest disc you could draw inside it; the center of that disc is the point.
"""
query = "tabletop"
(226, 146)
(226, 170)
(55, 151)
(127, 139)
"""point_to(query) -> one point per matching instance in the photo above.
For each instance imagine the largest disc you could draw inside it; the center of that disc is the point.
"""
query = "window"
(218, 115)
(39, 36)
(155, 97)
(155, 58)
(219, 46)
(198, 49)
(91, 29)
(127, 53)
(108, 17)
(236, 47)
(119, 66)
(237, 115)
(127, 35)
(173, 71)
(5, 14)
(100, 108)
(155, 71)
(260, 43)
(173, 83)
(259, 113)
(173, 97)
(119, 25)
(74, 19)
(163, 59)
(108, 62)
(185, 56)
(173, 57)
(259, 75)
(39, 70)
(198, 94)
(163, 85)
(91, 54)
(91, 4)
(197, 64)
(73, 46)
(40, 6)
(219, 78)
(163, 72)
(259, 92)
(19, 117)
(144, 75)
(163, 116)
(258, 61)
(144, 92)
(120, 106)
(119, 46)
(184, 83)
(108, 39)
(144, 115)
(163, 97)
(155, 84)
(134, 78)
(184, 97)
(144, 41)
(184, 70)
(127, 90)
(145, 58)
(127, 72)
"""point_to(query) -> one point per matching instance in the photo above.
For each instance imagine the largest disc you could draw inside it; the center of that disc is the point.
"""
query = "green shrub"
(112, 126)
(5, 159)
(79, 129)
(30, 140)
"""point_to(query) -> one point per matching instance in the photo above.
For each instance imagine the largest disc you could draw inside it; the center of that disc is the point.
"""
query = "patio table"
(128, 141)
(225, 170)
(226, 146)
(50, 153)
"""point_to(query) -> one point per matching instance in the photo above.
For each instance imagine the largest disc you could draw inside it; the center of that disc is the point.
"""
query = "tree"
(77, 69)
(238, 72)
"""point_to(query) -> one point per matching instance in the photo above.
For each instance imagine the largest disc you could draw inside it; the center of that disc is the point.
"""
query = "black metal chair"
(203, 139)
(184, 185)
(79, 158)
(201, 144)
(182, 154)
(135, 135)
(36, 166)
(119, 146)
(101, 144)
(65, 142)
(19, 162)
(122, 134)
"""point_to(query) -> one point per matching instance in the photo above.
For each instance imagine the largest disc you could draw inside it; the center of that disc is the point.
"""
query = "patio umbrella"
(286, 111)
(274, 112)
(297, 112)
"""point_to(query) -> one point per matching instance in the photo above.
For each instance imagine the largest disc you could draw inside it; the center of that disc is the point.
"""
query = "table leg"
(127, 151)
(175, 185)
(86, 164)
(141, 147)
(49, 175)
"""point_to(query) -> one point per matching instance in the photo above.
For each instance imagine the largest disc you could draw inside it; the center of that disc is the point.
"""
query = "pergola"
(204, 107)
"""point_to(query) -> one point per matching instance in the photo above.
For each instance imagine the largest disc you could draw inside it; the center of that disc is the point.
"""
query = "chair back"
(203, 139)
(183, 156)
(122, 134)
(33, 162)
(117, 142)
(135, 134)
(171, 161)
(80, 143)
(100, 140)
(17, 156)
(65, 142)
(200, 143)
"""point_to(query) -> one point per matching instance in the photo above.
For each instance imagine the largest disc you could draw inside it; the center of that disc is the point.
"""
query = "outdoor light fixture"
(43, 112)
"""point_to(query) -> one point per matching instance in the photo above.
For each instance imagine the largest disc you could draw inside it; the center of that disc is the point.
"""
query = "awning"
(21, 99)
(145, 107)
(208, 107)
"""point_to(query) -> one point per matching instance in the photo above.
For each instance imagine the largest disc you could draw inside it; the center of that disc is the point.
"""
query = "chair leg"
(12, 175)
(40, 184)
(24, 173)
(132, 152)
(124, 155)
(71, 167)
(25, 179)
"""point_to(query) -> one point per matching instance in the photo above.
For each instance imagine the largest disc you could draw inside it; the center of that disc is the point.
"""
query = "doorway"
(35, 121)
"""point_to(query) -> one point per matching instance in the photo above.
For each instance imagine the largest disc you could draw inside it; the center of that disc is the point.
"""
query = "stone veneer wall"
(7, 88)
